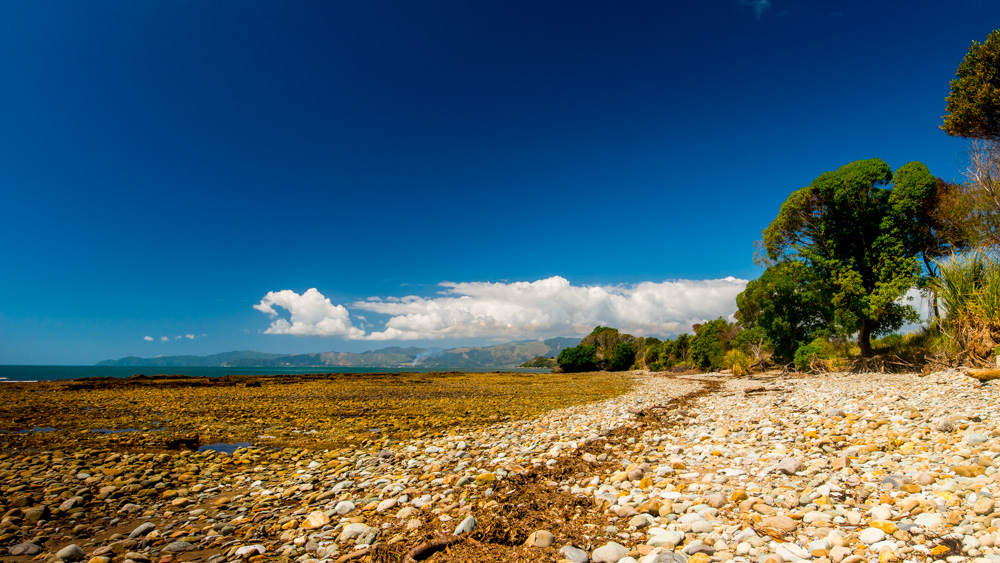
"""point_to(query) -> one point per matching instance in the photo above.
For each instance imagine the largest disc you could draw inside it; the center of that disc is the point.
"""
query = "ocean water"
(50, 373)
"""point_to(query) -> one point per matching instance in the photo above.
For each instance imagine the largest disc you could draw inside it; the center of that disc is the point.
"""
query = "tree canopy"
(786, 304)
(974, 102)
(858, 231)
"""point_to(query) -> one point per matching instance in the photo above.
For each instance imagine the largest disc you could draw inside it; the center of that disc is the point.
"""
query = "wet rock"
(26, 548)
(71, 552)
(251, 550)
(142, 530)
(177, 547)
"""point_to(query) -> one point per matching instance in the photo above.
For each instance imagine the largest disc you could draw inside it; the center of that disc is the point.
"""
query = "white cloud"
(547, 307)
(189, 336)
(164, 338)
(147, 338)
(311, 314)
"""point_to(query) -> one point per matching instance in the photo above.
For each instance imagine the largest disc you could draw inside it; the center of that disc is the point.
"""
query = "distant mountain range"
(508, 355)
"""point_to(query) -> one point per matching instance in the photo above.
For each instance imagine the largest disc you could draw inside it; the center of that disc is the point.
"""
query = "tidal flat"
(829, 468)
(154, 413)
(121, 468)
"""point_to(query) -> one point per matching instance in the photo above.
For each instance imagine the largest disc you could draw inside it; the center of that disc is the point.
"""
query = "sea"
(11, 374)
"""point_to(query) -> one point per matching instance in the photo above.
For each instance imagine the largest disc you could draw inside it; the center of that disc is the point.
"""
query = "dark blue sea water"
(50, 373)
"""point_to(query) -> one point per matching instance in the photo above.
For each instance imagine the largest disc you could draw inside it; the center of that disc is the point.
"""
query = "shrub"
(810, 357)
(968, 288)
(578, 358)
(738, 361)
(623, 357)
(707, 344)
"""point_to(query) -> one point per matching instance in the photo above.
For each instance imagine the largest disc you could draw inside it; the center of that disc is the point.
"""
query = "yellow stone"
(939, 550)
(888, 556)
(699, 558)
(290, 525)
(907, 447)
(485, 479)
(738, 495)
(645, 483)
(968, 470)
(887, 527)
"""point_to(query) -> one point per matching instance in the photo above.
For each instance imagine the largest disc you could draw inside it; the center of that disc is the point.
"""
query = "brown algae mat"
(157, 413)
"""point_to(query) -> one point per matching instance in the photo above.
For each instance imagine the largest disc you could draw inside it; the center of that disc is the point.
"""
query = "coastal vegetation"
(843, 257)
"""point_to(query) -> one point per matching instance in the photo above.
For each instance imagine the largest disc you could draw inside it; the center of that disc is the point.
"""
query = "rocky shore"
(688, 469)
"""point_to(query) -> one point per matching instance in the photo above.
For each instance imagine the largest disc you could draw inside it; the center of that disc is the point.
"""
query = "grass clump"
(968, 290)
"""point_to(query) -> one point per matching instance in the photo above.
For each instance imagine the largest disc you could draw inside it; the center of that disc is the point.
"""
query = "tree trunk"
(864, 339)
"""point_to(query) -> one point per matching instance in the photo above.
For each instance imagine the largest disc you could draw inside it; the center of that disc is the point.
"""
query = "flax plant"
(968, 288)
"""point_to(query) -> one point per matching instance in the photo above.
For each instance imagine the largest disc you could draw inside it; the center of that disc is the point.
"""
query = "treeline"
(844, 252)
(715, 345)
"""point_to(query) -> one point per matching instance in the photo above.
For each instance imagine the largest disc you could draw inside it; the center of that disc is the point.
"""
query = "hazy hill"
(500, 356)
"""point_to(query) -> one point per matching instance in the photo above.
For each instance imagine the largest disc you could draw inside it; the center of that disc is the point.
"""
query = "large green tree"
(709, 344)
(857, 232)
(973, 107)
(787, 304)
(974, 102)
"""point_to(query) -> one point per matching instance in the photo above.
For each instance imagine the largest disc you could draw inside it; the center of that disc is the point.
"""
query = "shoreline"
(704, 468)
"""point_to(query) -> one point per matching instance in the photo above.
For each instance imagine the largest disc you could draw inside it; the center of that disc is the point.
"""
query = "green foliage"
(610, 353)
(969, 290)
(578, 358)
(707, 346)
(786, 305)
(807, 357)
(974, 102)
(858, 236)
(540, 362)
(747, 338)
(623, 357)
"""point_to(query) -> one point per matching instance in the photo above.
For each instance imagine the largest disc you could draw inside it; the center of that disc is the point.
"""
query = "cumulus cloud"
(164, 338)
(759, 6)
(541, 308)
(310, 314)
(147, 338)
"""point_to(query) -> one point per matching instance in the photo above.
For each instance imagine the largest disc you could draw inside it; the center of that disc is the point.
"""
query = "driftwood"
(353, 555)
(426, 549)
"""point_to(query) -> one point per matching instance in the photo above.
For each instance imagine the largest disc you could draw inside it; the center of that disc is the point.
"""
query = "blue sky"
(168, 166)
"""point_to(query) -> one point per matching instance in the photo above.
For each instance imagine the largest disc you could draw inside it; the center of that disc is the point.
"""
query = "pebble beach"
(838, 468)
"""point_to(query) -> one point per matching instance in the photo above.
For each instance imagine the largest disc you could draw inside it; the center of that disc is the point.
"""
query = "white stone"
(871, 535)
